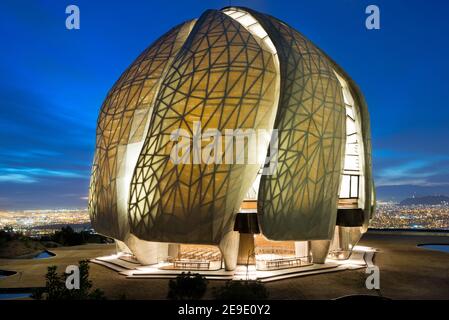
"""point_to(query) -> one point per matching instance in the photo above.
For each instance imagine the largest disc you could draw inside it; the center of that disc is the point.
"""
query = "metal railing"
(282, 263)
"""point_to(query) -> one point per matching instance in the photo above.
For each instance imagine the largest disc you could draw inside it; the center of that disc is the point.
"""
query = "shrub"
(187, 286)
(68, 237)
(7, 234)
(242, 290)
(55, 286)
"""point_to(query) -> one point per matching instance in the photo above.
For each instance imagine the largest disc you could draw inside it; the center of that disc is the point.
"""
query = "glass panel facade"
(345, 186)
(352, 171)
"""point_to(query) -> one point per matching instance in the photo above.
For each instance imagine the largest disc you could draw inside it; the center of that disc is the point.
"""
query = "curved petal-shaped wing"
(121, 128)
(223, 79)
(299, 201)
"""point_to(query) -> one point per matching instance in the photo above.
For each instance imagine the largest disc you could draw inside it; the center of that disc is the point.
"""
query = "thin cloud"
(32, 175)
(422, 172)
(16, 178)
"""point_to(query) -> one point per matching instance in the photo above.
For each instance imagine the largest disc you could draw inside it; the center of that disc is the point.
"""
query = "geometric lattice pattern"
(223, 78)
(121, 126)
(299, 201)
(362, 110)
(235, 70)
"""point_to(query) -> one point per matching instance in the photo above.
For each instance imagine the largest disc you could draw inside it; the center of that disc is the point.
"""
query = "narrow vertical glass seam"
(354, 160)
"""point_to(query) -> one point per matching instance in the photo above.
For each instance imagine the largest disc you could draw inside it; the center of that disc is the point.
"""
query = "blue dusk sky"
(53, 82)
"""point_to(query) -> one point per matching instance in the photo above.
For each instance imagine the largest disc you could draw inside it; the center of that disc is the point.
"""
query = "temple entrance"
(256, 249)
(194, 257)
(275, 255)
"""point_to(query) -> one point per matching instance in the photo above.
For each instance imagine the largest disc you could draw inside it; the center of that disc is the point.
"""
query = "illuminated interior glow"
(256, 29)
(352, 180)
(253, 26)
(195, 216)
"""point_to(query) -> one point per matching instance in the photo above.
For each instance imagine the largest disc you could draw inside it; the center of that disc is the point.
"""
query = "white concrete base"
(126, 266)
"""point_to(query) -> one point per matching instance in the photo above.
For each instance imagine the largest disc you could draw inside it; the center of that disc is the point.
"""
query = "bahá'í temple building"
(233, 70)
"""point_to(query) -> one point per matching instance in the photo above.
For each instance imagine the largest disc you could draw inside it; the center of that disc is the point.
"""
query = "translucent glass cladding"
(255, 28)
(121, 129)
(367, 197)
(299, 201)
(225, 79)
(353, 179)
(233, 69)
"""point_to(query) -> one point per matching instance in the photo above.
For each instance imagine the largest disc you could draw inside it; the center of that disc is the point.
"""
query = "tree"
(55, 286)
(68, 237)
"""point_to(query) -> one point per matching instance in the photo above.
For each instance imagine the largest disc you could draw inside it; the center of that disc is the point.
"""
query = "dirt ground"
(406, 272)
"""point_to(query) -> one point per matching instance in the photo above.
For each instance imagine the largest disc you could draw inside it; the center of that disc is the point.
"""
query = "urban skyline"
(389, 215)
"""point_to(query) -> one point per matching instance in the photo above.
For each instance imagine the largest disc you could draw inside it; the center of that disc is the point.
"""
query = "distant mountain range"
(399, 193)
(427, 200)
